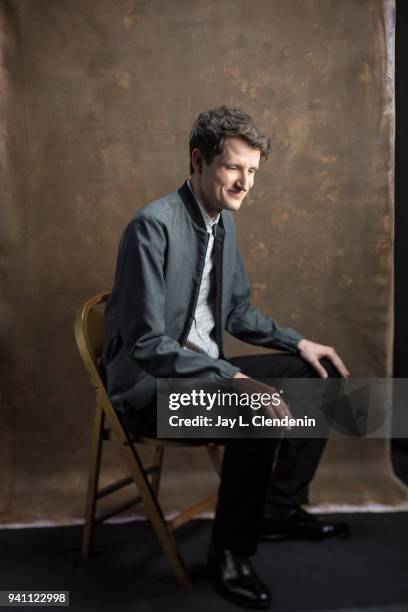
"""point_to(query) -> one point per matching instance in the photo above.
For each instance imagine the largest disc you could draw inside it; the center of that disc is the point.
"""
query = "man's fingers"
(339, 365)
(285, 410)
(319, 368)
(279, 412)
(286, 413)
(313, 352)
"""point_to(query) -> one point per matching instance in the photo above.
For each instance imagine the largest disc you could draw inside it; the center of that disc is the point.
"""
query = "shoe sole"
(239, 602)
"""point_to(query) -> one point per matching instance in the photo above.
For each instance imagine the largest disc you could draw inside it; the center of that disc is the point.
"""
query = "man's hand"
(250, 385)
(313, 352)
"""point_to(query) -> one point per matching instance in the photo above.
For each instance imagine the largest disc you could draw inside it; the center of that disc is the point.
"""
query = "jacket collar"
(192, 206)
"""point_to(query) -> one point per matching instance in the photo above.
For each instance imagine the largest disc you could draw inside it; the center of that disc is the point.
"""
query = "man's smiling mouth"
(236, 193)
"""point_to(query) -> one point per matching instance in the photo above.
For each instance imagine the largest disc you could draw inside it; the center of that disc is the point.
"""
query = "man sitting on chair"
(180, 282)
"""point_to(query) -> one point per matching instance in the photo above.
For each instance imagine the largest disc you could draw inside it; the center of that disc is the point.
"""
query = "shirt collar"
(210, 222)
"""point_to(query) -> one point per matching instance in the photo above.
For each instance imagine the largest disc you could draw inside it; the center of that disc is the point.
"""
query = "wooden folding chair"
(90, 337)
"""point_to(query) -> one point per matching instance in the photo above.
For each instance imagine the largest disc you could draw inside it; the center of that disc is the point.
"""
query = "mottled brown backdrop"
(97, 99)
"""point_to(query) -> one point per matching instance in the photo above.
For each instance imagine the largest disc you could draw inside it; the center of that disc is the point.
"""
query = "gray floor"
(366, 572)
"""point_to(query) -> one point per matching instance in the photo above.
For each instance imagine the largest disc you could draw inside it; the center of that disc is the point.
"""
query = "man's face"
(226, 181)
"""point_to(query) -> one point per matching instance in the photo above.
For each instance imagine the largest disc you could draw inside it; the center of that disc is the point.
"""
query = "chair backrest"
(90, 332)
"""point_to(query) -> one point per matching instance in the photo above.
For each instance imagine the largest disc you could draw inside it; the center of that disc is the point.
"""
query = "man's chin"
(232, 204)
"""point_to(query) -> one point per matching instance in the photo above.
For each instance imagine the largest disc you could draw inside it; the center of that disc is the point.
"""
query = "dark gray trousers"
(259, 474)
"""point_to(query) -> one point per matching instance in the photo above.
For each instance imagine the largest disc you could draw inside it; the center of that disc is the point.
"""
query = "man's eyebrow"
(238, 165)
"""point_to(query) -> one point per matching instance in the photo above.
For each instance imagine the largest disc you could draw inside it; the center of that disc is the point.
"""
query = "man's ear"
(197, 160)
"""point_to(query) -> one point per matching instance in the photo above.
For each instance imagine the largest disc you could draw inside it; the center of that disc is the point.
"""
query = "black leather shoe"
(300, 525)
(235, 579)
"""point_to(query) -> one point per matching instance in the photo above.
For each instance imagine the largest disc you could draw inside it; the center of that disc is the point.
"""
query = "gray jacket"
(150, 311)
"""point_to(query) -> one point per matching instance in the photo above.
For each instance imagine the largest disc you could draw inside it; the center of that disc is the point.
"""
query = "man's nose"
(244, 181)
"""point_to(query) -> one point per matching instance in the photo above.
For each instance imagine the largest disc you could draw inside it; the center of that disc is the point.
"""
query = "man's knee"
(302, 368)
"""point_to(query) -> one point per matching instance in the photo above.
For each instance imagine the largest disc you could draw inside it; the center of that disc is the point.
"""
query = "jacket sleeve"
(141, 298)
(249, 324)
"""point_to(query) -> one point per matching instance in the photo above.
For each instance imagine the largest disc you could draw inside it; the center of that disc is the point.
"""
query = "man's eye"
(231, 167)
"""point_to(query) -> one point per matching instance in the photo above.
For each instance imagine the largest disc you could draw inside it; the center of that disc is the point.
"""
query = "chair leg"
(158, 463)
(93, 478)
(152, 508)
(214, 453)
